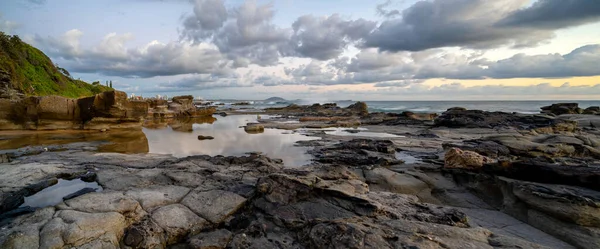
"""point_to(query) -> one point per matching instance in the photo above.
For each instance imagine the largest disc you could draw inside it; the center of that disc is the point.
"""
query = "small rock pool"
(56, 193)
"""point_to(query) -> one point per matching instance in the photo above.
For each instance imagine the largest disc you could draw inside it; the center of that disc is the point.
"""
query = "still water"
(229, 140)
(179, 138)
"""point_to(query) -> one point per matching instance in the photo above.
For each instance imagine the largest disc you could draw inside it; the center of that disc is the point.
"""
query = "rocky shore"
(462, 179)
(104, 111)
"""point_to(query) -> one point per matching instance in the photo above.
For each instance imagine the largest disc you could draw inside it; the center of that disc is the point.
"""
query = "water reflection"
(229, 140)
(179, 138)
(180, 125)
(54, 194)
(130, 141)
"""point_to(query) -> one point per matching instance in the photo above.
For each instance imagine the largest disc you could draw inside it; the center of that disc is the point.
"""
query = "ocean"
(526, 107)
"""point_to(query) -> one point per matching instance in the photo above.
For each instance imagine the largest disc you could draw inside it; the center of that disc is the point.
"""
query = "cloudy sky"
(327, 50)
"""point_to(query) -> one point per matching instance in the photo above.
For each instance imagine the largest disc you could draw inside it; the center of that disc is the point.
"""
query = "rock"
(382, 179)
(201, 137)
(145, 234)
(156, 196)
(254, 128)
(358, 153)
(457, 158)
(562, 108)
(111, 202)
(212, 240)
(178, 221)
(581, 237)
(456, 109)
(359, 108)
(592, 110)
(23, 231)
(458, 118)
(214, 205)
(79, 229)
(79, 193)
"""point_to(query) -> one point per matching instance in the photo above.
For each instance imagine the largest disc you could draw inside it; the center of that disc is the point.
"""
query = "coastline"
(473, 179)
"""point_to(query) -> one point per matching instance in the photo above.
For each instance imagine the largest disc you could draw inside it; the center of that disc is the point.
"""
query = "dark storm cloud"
(480, 23)
(555, 14)
(244, 34)
(325, 38)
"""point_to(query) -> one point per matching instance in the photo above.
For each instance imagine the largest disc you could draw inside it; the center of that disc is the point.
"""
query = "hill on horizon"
(28, 70)
(271, 99)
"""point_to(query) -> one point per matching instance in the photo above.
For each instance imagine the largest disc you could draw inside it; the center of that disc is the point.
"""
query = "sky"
(322, 50)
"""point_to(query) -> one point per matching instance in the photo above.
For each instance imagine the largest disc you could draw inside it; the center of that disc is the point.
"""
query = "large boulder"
(107, 110)
(562, 108)
(464, 159)
(592, 110)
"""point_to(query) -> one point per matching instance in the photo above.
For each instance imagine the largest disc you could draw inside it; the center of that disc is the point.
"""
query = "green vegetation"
(33, 73)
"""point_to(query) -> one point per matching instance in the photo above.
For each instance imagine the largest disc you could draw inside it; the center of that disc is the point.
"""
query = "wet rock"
(178, 221)
(212, 240)
(214, 205)
(562, 108)
(201, 137)
(79, 193)
(457, 158)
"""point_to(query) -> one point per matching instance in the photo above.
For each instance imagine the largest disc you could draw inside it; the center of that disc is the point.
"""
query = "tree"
(111, 84)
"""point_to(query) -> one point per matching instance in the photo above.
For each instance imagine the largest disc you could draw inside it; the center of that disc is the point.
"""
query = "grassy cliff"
(31, 72)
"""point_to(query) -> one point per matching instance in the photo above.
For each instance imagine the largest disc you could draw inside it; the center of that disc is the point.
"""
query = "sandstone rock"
(178, 221)
(71, 228)
(212, 240)
(214, 205)
(457, 158)
(145, 234)
(157, 196)
(111, 202)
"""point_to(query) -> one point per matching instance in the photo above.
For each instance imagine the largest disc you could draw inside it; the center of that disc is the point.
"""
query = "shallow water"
(54, 194)
(407, 158)
(229, 140)
(348, 132)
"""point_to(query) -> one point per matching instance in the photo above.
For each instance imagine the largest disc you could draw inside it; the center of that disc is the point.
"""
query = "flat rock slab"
(214, 205)
(158, 196)
(505, 224)
(71, 228)
(213, 240)
(178, 221)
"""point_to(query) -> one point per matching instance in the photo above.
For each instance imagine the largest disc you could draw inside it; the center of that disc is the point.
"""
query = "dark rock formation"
(358, 153)
(459, 118)
(324, 110)
(201, 137)
(592, 110)
(562, 108)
